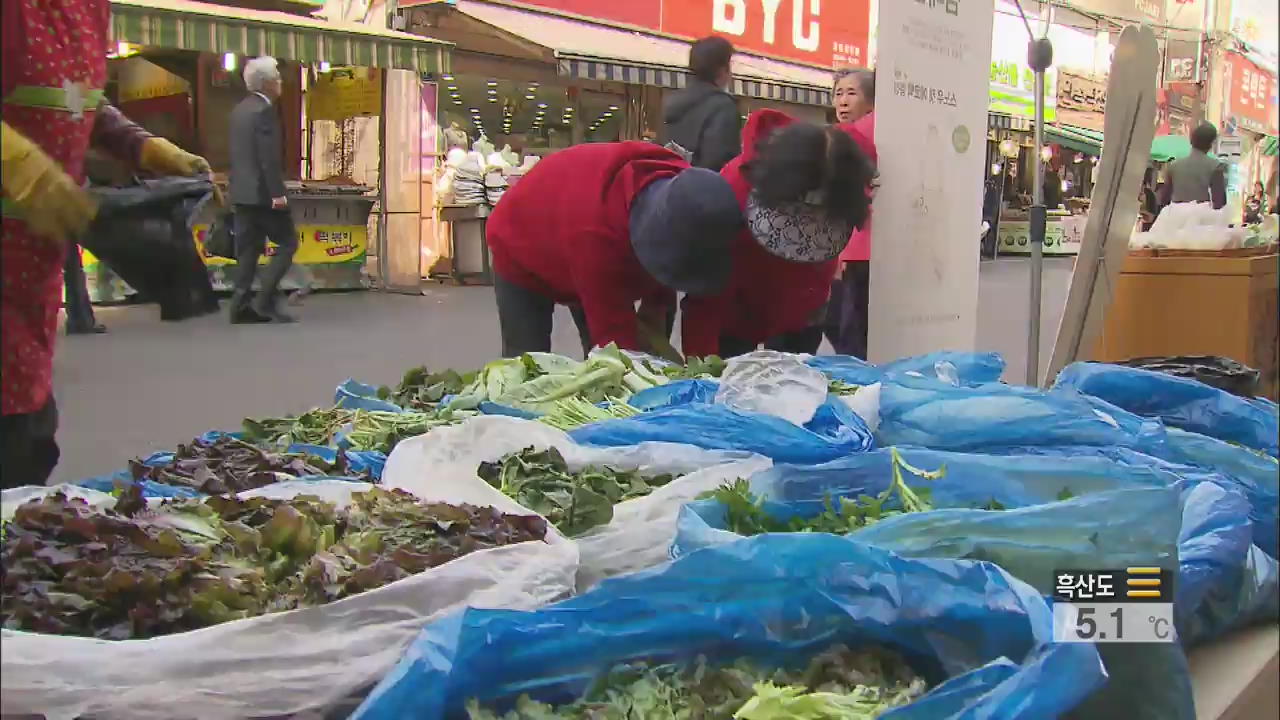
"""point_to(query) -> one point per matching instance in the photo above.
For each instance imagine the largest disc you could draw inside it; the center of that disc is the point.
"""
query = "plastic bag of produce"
(276, 664)
(1179, 402)
(630, 535)
(834, 431)
(1220, 372)
(355, 395)
(979, 637)
(928, 413)
(780, 384)
(956, 368)
(1109, 529)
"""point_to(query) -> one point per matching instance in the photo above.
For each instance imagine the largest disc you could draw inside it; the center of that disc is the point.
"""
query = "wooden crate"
(1220, 305)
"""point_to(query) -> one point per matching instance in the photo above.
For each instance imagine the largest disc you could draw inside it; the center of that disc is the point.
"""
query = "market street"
(148, 385)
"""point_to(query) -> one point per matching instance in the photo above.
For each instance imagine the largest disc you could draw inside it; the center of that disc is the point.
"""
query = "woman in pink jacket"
(846, 322)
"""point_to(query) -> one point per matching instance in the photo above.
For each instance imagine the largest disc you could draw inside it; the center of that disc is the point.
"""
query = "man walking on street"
(1198, 177)
(258, 196)
(703, 118)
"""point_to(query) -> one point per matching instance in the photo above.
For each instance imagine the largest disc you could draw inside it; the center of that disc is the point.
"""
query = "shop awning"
(1271, 147)
(1076, 138)
(590, 51)
(204, 27)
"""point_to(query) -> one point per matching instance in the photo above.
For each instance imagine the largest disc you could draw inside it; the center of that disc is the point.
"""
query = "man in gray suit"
(258, 196)
(1197, 177)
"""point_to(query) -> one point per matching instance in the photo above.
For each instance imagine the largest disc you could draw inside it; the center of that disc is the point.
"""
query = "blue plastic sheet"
(967, 621)
(834, 431)
(929, 413)
(355, 395)
(1109, 529)
(1179, 402)
(963, 368)
(680, 392)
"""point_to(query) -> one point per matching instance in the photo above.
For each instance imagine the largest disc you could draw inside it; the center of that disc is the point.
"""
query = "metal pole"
(1038, 219)
(1039, 57)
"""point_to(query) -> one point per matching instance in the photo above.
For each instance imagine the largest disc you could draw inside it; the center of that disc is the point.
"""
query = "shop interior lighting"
(613, 107)
(492, 83)
(542, 106)
(530, 96)
(453, 88)
(229, 62)
(446, 77)
(1046, 154)
(996, 168)
(493, 99)
(324, 66)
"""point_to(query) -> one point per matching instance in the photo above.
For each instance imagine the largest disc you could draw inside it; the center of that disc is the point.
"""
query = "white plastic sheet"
(444, 461)
(773, 383)
(278, 664)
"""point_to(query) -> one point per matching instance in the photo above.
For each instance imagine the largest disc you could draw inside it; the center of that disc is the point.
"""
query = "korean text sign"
(933, 71)
(1252, 99)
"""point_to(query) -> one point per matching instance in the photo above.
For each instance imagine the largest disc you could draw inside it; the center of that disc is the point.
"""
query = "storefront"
(1249, 121)
(175, 69)
(535, 81)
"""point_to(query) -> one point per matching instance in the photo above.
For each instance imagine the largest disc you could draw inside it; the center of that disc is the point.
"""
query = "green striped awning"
(204, 27)
(1079, 139)
(1271, 147)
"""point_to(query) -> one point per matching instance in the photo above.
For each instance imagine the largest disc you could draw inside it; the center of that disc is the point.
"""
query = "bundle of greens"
(421, 389)
(574, 413)
(695, 368)
(745, 513)
(840, 387)
(574, 502)
(363, 429)
(231, 465)
(130, 573)
(839, 684)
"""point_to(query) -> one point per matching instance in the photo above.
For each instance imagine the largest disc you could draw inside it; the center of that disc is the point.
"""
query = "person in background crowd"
(703, 117)
(1148, 206)
(258, 196)
(846, 321)
(641, 225)
(1255, 206)
(1198, 177)
(75, 302)
(803, 189)
(53, 111)
(1052, 187)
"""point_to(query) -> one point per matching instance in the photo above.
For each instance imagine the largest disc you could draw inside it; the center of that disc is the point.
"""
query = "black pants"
(30, 451)
(254, 226)
(76, 303)
(526, 319)
(846, 325)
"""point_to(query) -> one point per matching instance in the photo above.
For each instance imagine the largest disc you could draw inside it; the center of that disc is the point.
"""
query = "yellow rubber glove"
(164, 158)
(48, 200)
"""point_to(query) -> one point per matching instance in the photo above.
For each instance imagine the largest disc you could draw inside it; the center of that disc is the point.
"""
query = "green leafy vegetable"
(421, 389)
(746, 514)
(711, 366)
(230, 465)
(839, 387)
(572, 501)
(130, 573)
(838, 684)
(364, 429)
(573, 413)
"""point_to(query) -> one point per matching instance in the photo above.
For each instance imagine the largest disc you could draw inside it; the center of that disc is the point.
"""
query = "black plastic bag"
(143, 233)
(1220, 372)
(221, 240)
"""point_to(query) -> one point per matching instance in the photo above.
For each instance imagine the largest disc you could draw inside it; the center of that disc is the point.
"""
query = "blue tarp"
(774, 599)
(959, 367)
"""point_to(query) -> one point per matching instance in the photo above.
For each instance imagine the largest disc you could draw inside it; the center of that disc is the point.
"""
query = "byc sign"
(730, 17)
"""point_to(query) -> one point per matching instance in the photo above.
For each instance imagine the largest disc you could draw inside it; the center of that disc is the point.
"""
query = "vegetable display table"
(1208, 305)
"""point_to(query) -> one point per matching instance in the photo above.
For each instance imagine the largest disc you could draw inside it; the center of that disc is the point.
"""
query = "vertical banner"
(933, 69)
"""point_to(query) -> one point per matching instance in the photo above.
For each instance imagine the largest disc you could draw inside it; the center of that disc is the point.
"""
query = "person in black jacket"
(703, 117)
(258, 196)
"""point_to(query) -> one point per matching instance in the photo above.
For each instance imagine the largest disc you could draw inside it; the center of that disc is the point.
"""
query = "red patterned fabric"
(46, 43)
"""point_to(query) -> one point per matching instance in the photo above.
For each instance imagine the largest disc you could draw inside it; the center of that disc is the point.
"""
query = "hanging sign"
(345, 92)
(1251, 99)
(933, 62)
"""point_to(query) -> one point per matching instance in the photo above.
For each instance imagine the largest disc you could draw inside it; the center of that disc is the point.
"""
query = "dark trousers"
(804, 341)
(30, 452)
(78, 308)
(526, 319)
(254, 226)
(846, 325)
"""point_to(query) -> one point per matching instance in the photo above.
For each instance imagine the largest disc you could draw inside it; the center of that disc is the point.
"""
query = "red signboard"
(819, 32)
(826, 33)
(1252, 99)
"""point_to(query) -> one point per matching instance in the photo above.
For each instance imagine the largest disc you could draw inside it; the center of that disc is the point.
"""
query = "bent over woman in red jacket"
(599, 228)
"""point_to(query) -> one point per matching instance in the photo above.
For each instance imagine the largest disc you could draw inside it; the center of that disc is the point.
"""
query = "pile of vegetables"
(356, 429)
(130, 572)
(573, 413)
(230, 465)
(574, 502)
(839, 684)
(421, 389)
(746, 514)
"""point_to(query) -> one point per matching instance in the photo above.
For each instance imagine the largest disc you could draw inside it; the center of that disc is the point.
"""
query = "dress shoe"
(96, 329)
(248, 316)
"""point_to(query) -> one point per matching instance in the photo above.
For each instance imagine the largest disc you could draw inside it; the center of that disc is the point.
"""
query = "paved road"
(148, 385)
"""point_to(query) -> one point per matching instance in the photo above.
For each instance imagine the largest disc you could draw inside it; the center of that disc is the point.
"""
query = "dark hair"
(1203, 137)
(866, 78)
(709, 56)
(800, 158)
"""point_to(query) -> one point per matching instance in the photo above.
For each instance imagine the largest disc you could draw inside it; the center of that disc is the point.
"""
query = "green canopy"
(1271, 147)
(1076, 138)
(1171, 147)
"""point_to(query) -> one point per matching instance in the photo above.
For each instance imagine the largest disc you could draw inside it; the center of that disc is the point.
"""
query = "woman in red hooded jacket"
(599, 228)
(803, 189)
